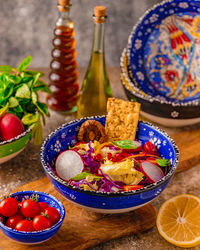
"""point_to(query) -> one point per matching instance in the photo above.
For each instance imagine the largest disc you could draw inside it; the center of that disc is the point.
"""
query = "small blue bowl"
(66, 135)
(37, 236)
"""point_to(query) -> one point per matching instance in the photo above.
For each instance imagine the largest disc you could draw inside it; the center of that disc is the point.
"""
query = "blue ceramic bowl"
(66, 135)
(37, 236)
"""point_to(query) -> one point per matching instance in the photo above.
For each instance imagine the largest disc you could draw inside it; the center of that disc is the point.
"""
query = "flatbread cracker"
(122, 119)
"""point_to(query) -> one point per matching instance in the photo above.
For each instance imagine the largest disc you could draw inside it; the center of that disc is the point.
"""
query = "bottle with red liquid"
(63, 76)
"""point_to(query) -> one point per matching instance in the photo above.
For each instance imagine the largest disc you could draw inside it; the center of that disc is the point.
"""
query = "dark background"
(26, 27)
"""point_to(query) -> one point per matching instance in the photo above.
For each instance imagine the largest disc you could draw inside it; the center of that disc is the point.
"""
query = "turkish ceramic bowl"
(10, 148)
(163, 61)
(66, 136)
(35, 237)
(157, 108)
(163, 50)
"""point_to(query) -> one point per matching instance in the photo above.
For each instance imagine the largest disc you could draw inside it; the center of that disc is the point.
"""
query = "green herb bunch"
(18, 95)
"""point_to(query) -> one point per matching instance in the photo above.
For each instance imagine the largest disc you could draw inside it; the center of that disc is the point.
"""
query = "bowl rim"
(49, 172)
(16, 137)
(128, 50)
(41, 232)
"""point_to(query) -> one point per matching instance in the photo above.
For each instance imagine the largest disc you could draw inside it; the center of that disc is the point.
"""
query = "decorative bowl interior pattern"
(158, 109)
(37, 236)
(164, 51)
(10, 148)
(66, 136)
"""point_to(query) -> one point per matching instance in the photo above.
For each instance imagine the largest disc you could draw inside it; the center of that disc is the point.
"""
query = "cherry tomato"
(13, 220)
(8, 207)
(41, 222)
(25, 226)
(132, 187)
(53, 214)
(150, 148)
(43, 205)
(30, 208)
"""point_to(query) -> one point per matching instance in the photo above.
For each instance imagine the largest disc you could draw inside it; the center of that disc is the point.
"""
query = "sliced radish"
(151, 171)
(68, 164)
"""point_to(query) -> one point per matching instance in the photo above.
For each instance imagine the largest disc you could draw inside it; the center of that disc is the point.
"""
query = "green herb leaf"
(125, 144)
(23, 92)
(162, 162)
(6, 68)
(42, 107)
(41, 86)
(4, 109)
(33, 72)
(13, 102)
(83, 175)
(34, 97)
(37, 132)
(24, 64)
(29, 119)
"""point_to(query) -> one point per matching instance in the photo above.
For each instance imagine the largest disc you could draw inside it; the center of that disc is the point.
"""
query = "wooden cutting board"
(81, 228)
(188, 143)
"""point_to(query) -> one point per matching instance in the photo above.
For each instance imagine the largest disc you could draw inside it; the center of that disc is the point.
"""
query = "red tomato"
(8, 207)
(132, 187)
(150, 148)
(25, 226)
(43, 205)
(30, 208)
(53, 214)
(41, 222)
(13, 220)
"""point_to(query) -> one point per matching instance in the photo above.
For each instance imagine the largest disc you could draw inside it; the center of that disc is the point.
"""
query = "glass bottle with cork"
(63, 76)
(96, 86)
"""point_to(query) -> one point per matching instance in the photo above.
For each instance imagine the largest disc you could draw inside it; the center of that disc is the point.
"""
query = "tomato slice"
(132, 187)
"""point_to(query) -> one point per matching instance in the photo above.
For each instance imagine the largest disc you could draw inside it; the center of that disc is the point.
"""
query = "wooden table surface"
(26, 167)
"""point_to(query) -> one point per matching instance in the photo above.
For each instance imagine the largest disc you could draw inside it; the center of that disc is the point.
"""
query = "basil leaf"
(23, 92)
(29, 119)
(24, 64)
(83, 175)
(13, 102)
(125, 144)
(14, 79)
(6, 68)
(162, 162)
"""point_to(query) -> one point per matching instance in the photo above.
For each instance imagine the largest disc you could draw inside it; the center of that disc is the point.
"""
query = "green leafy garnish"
(18, 95)
(162, 162)
(83, 175)
(125, 144)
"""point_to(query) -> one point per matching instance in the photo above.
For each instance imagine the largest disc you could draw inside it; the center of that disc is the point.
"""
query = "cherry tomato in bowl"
(33, 237)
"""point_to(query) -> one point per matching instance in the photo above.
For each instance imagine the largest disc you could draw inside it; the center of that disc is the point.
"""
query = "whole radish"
(10, 126)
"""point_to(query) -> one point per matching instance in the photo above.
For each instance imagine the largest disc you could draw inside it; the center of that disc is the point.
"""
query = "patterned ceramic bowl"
(10, 148)
(37, 236)
(158, 108)
(66, 135)
(163, 51)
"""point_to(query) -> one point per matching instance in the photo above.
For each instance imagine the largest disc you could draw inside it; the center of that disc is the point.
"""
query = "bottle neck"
(63, 18)
(98, 42)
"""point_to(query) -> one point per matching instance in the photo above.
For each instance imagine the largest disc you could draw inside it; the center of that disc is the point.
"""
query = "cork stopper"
(63, 5)
(99, 14)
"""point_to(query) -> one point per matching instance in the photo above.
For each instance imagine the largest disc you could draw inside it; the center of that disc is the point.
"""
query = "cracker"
(122, 119)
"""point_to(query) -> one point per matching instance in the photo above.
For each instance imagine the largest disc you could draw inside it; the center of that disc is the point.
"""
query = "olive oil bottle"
(96, 86)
